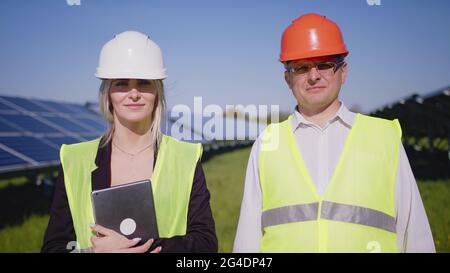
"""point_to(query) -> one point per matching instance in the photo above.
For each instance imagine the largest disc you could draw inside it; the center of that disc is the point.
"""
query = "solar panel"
(7, 128)
(93, 107)
(32, 131)
(425, 122)
(79, 109)
(5, 107)
(25, 104)
(67, 124)
(58, 141)
(91, 137)
(206, 129)
(94, 123)
(7, 159)
(31, 147)
(58, 107)
(28, 123)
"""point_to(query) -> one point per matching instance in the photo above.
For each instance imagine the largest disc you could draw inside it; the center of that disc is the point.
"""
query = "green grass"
(225, 176)
(18, 181)
(26, 237)
(435, 197)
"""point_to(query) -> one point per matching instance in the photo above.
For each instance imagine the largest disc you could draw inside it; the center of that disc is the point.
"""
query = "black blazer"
(200, 234)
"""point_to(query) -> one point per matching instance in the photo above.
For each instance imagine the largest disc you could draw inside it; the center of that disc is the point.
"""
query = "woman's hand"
(112, 241)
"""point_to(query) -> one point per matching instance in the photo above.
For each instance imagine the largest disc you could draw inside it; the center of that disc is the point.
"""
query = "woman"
(132, 100)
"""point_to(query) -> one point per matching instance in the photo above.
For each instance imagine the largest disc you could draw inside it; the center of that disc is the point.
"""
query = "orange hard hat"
(311, 35)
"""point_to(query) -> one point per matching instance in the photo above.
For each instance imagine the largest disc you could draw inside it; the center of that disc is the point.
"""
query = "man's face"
(315, 87)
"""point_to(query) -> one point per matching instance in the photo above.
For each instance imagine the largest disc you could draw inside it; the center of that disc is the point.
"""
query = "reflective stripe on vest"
(171, 183)
(357, 215)
(330, 211)
(356, 210)
(290, 214)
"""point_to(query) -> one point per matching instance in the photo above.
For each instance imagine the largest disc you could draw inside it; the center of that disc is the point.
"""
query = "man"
(327, 179)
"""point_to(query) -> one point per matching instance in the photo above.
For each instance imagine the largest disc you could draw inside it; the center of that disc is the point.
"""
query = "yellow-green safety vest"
(171, 183)
(355, 214)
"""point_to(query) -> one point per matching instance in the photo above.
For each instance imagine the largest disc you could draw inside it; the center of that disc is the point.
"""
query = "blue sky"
(224, 51)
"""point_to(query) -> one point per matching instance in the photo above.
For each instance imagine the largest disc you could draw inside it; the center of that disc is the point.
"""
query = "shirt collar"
(343, 114)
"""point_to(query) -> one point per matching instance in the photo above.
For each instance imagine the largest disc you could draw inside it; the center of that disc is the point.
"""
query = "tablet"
(127, 209)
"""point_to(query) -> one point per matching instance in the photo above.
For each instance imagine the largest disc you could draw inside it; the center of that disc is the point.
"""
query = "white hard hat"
(131, 55)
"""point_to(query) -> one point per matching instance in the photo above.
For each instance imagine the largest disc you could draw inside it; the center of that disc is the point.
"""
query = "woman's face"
(133, 100)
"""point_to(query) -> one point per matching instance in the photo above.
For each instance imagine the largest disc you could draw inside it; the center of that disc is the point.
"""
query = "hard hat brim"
(131, 75)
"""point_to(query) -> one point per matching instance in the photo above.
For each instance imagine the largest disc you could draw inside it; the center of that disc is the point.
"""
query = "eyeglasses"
(324, 68)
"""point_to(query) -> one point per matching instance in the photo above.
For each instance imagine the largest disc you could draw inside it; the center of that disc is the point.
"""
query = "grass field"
(436, 199)
(225, 176)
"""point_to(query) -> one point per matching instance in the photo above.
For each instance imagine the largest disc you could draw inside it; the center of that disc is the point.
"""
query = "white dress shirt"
(321, 149)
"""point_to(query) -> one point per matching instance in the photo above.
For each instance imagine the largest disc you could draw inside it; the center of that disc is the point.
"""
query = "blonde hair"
(107, 111)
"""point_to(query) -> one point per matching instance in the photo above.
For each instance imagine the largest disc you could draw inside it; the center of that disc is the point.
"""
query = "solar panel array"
(205, 130)
(32, 131)
(425, 122)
